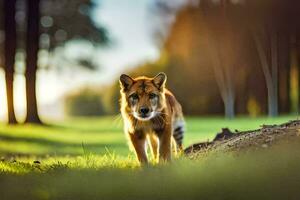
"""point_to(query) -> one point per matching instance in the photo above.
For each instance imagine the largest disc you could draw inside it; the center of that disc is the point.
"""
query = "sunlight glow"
(3, 108)
(19, 97)
(19, 100)
(134, 45)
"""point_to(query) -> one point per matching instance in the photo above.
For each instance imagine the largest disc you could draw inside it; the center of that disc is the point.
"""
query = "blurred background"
(62, 58)
(231, 64)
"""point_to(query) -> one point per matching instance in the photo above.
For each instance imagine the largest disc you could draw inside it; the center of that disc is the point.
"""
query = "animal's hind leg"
(174, 146)
(153, 141)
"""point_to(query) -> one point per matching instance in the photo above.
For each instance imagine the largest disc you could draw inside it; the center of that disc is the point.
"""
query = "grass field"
(89, 159)
(103, 135)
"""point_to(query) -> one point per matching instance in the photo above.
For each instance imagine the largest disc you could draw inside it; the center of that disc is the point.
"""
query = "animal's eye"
(152, 95)
(134, 96)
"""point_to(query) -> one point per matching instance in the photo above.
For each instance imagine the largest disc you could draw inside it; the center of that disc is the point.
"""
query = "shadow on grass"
(42, 141)
(65, 128)
(58, 147)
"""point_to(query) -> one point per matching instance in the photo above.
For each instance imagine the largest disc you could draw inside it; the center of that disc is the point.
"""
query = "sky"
(128, 22)
(129, 26)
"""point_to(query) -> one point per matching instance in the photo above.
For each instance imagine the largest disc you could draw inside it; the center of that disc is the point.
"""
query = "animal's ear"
(160, 80)
(125, 81)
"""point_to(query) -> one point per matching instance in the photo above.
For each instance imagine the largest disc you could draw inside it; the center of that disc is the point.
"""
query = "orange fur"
(155, 124)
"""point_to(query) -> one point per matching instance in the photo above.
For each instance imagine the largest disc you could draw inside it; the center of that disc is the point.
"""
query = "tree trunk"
(284, 75)
(297, 107)
(223, 77)
(271, 83)
(32, 47)
(272, 102)
(9, 55)
(230, 94)
(274, 63)
(229, 106)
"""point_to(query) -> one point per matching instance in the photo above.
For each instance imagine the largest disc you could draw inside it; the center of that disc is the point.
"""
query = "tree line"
(53, 19)
(234, 54)
(226, 57)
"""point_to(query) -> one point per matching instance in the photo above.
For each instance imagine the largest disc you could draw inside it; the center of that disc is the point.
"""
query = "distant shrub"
(111, 97)
(85, 102)
(253, 107)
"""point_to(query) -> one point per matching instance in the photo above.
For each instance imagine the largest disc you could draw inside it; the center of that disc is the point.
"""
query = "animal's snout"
(144, 110)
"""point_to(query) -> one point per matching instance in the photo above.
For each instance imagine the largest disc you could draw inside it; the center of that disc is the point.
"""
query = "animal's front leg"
(153, 141)
(165, 145)
(138, 141)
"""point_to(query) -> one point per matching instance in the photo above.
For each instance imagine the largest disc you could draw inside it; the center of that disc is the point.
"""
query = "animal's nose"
(144, 110)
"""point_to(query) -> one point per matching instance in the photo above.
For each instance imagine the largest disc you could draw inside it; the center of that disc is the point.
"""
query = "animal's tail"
(178, 132)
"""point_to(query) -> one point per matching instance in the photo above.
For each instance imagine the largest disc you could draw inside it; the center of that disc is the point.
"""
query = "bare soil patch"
(237, 141)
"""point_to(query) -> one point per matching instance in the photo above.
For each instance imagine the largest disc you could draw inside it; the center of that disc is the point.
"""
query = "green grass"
(102, 135)
(89, 159)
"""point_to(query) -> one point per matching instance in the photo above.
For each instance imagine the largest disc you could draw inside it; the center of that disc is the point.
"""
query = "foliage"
(63, 13)
(85, 102)
(110, 98)
(57, 23)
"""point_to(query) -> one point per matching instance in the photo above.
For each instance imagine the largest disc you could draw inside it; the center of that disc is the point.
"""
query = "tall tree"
(221, 39)
(32, 47)
(272, 25)
(57, 20)
(284, 67)
(9, 55)
(269, 66)
(298, 68)
(223, 71)
(205, 38)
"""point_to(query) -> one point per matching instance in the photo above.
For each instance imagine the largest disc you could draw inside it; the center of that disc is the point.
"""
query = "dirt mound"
(228, 141)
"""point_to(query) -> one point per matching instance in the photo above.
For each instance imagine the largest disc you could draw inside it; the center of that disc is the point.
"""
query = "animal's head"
(143, 97)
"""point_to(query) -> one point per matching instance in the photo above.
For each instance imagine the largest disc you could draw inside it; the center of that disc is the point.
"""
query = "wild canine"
(151, 115)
